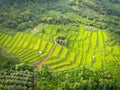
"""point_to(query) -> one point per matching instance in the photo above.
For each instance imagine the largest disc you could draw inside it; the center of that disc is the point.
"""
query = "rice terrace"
(88, 47)
(60, 45)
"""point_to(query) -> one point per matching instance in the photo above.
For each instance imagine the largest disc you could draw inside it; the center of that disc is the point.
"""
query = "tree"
(62, 40)
(30, 24)
(23, 66)
(22, 26)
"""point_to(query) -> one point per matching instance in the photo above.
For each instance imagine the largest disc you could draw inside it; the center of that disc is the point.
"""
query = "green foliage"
(46, 79)
(62, 40)
(16, 80)
(9, 2)
(115, 1)
(114, 68)
(68, 14)
(21, 15)
(23, 66)
(81, 78)
(25, 14)
(7, 61)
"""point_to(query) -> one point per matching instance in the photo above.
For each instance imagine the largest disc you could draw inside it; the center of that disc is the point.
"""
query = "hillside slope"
(26, 14)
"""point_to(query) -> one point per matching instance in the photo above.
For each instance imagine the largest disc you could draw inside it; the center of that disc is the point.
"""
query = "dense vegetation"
(14, 74)
(76, 40)
(26, 14)
(80, 78)
(7, 61)
(16, 80)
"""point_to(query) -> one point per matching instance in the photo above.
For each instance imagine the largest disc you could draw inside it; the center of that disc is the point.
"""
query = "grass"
(44, 36)
(105, 35)
(88, 59)
(98, 62)
(116, 50)
(75, 63)
(76, 45)
(42, 45)
(3, 39)
(101, 41)
(61, 56)
(14, 39)
(14, 51)
(87, 46)
(8, 41)
(17, 41)
(83, 45)
(85, 34)
(66, 61)
(32, 43)
(23, 51)
(21, 41)
(1, 36)
(89, 34)
(48, 47)
(28, 54)
(27, 41)
(56, 51)
(78, 60)
(108, 49)
(37, 44)
(94, 40)
(81, 33)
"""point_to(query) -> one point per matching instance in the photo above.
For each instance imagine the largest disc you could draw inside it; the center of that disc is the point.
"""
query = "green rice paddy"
(85, 47)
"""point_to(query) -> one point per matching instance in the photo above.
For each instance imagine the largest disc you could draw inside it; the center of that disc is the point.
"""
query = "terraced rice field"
(87, 48)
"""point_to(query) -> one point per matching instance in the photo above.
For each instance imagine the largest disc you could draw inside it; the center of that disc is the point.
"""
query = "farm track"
(45, 59)
(83, 46)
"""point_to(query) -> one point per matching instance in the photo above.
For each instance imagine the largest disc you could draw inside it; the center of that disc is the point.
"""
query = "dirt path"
(34, 79)
(41, 63)
(45, 59)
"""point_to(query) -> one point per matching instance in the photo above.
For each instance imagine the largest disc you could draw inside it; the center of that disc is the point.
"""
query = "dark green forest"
(24, 14)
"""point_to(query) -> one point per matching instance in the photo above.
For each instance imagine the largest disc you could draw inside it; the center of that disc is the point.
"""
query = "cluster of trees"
(21, 77)
(114, 68)
(7, 61)
(14, 75)
(80, 78)
(115, 1)
(31, 13)
(58, 20)
(62, 40)
(25, 15)
(16, 80)
(18, 20)
(11, 2)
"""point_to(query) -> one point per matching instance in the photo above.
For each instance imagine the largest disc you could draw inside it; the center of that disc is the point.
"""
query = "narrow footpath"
(46, 58)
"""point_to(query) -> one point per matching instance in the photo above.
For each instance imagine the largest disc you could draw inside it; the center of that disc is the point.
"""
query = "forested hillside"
(60, 44)
(24, 14)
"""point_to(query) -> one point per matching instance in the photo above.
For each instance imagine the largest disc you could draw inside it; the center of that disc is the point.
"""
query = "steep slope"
(26, 14)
